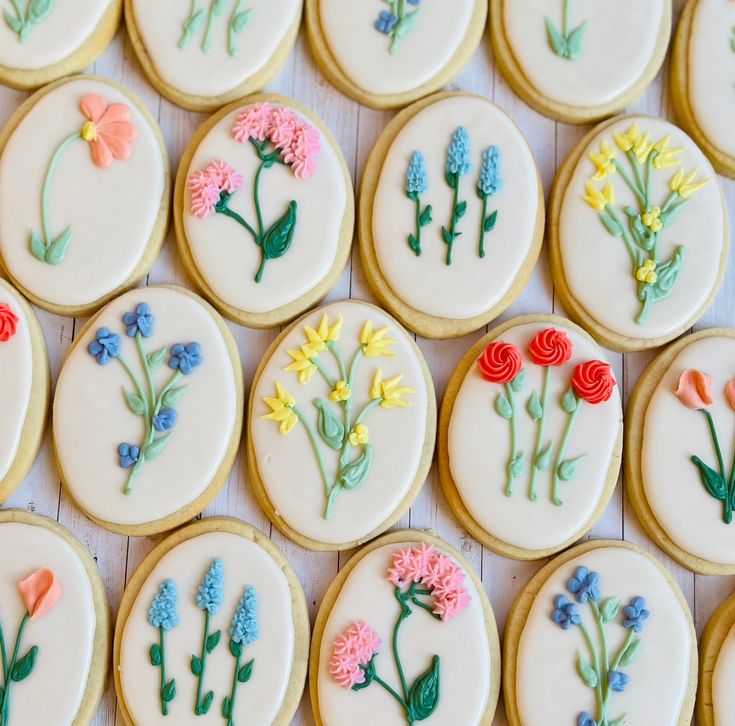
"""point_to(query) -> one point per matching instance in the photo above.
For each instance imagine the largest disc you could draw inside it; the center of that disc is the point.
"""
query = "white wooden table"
(356, 129)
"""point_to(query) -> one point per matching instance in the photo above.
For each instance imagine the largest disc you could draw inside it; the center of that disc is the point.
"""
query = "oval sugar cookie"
(451, 214)
(148, 411)
(341, 426)
(593, 636)
(637, 216)
(531, 435)
(405, 634)
(213, 628)
(264, 210)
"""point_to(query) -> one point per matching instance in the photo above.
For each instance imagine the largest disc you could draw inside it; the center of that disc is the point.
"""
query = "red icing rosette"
(8, 323)
(500, 362)
(593, 381)
(550, 347)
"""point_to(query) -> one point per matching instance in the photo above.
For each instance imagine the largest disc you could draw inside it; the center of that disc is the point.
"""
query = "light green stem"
(635, 188)
(231, 46)
(533, 487)
(555, 498)
(627, 239)
(315, 445)
(207, 42)
(399, 12)
(605, 660)
(327, 378)
(513, 440)
(596, 661)
(186, 34)
(614, 666)
(50, 172)
(567, 13)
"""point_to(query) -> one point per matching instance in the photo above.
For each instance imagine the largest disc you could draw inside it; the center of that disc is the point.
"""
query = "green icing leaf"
(278, 238)
(13, 23)
(206, 703)
(353, 474)
(452, 179)
(168, 693)
(195, 22)
(235, 649)
(713, 481)
(156, 447)
(414, 244)
(586, 672)
(196, 665)
(135, 403)
(447, 236)
(516, 384)
(534, 408)
(156, 360)
(369, 676)
(543, 458)
(556, 40)
(213, 640)
(461, 209)
(610, 608)
(618, 721)
(611, 224)
(24, 666)
(574, 41)
(489, 223)
(173, 395)
(56, 251)
(423, 696)
(246, 672)
(568, 469)
(38, 246)
(330, 428)
(425, 217)
(569, 401)
(503, 407)
(405, 24)
(668, 275)
(155, 654)
(630, 653)
(39, 9)
(226, 707)
(518, 465)
(241, 20)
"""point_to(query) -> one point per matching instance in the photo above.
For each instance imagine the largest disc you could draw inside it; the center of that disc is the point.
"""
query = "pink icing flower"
(254, 122)
(109, 131)
(40, 592)
(206, 186)
(695, 389)
(353, 649)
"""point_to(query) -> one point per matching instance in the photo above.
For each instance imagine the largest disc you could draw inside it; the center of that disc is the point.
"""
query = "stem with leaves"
(16, 669)
(241, 674)
(34, 12)
(199, 665)
(505, 407)
(542, 454)
(565, 43)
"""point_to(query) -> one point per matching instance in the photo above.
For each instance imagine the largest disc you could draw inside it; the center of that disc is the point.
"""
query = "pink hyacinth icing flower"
(108, 131)
(426, 566)
(352, 649)
(206, 186)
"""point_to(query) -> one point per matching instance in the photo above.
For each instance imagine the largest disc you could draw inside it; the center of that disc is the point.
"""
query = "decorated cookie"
(213, 629)
(54, 625)
(148, 411)
(89, 217)
(24, 389)
(638, 217)
(580, 60)
(530, 437)
(679, 454)
(342, 420)
(202, 54)
(594, 636)
(264, 210)
(389, 53)
(451, 214)
(42, 40)
(405, 634)
(703, 78)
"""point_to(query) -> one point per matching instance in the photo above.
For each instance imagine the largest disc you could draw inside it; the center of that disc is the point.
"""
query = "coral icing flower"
(40, 592)
(729, 392)
(8, 323)
(352, 652)
(593, 381)
(500, 362)
(109, 130)
(695, 389)
(207, 187)
(550, 347)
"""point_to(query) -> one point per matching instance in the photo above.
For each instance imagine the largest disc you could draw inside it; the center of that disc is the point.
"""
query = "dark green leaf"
(447, 236)
(38, 246)
(503, 407)
(586, 672)
(610, 608)
(569, 401)
(534, 408)
(451, 179)
(517, 465)
(369, 675)
(556, 40)
(207, 702)
(56, 251)
(413, 244)
(611, 224)
(156, 447)
(155, 360)
(413, 196)
(516, 384)
(155, 654)
(13, 23)
(135, 403)
(235, 649)
(426, 216)
(241, 20)
(226, 708)
(543, 458)
(278, 238)
(423, 696)
(24, 666)
(460, 210)
(196, 665)
(713, 481)
(246, 672)
(213, 640)
(39, 9)
(574, 41)
(630, 653)
(568, 469)
(330, 428)
(169, 691)
(173, 395)
(489, 224)
(353, 474)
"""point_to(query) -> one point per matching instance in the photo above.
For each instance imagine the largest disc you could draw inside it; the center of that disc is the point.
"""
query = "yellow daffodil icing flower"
(341, 392)
(666, 157)
(282, 409)
(599, 199)
(325, 333)
(604, 160)
(635, 142)
(302, 364)
(374, 342)
(389, 393)
(360, 435)
(684, 184)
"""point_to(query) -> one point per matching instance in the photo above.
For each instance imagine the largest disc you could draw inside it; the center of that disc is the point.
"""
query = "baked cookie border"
(577, 312)
(564, 112)
(195, 102)
(194, 508)
(430, 326)
(449, 486)
(422, 471)
(299, 607)
(335, 589)
(518, 617)
(284, 313)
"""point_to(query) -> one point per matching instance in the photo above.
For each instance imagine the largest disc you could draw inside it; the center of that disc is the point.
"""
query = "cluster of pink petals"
(298, 142)
(352, 649)
(206, 186)
(438, 572)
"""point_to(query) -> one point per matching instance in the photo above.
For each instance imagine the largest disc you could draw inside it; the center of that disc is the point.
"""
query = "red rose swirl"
(500, 362)
(550, 347)
(8, 323)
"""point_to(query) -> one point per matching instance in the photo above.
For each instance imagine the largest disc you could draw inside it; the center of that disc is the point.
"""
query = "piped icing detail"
(207, 18)
(26, 15)
(565, 42)
(8, 323)
(397, 21)
(163, 615)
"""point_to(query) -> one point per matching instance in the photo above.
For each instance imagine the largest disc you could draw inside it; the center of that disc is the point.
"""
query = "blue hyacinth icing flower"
(163, 611)
(165, 419)
(416, 181)
(635, 614)
(105, 346)
(244, 629)
(565, 612)
(211, 588)
(585, 585)
(129, 455)
(386, 22)
(618, 681)
(490, 181)
(585, 719)
(458, 154)
(185, 357)
(139, 321)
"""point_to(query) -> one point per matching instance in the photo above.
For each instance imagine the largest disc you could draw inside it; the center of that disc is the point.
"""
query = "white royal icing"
(548, 687)
(723, 698)
(479, 444)
(597, 267)
(619, 43)
(111, 211)
(363, 52)
(91, 417)
(463, 645)
(53, 692)
(16, 356)
(225, 254)
(711, 65)
(191, 70)
(258, 700)
(287, 465)
(471, 285)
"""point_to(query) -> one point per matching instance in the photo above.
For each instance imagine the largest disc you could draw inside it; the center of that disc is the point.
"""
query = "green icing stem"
(161, 643)
(216, 7)
(614, 666)
(481, 250)
(453, 223)
(629, 243)
(348, 407)
(50, 172)
(513, 440)
(533, 487)
(315, 445)
(555, 498)
(5, 707)
(198, 706)
(328, 379)
(233, 692)
(605, 659)
(635, 188)
(596, 660)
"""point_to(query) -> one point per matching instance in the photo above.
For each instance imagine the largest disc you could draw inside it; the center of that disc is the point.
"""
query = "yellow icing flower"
(302, 364)
(282, 409)
(629, 139)
(666, 157)
(374, 343)
(685, 184)
(604, 161)
(646, 273)
(360, 435)
(652, 219)
(341, 392)
(599, 199)
(324, 334)
(390, 391)
(643, 149)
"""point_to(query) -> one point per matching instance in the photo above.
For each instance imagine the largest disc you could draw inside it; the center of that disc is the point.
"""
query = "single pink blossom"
(353, 649)
(695, 389)
(254, 122)
(205, 187)
(283, 128)
(224, 176)
(304, 149)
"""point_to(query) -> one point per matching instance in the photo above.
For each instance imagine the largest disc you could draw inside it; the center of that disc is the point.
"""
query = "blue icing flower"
(185, 357)
(635, 614)
(585, 585)
(414, 2)
(490, 180)
(416, 182)
(165, 420)
(617, 681)
(244, 628)
(458, 154)
(565, 612)
(163, 613)
(140, 321)
(211, 588)
(585, 719)
(105, 346)
(129, 455)
(386, 22)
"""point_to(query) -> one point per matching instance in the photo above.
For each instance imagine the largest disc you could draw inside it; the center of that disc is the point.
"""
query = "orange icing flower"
(109, 131)
(40, 592)
(695, 389)
(730, 393)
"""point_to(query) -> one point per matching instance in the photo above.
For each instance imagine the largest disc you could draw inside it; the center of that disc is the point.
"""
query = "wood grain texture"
(356, 128)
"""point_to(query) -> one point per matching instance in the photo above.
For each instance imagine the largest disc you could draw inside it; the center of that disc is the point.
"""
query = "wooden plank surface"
(356, 129)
